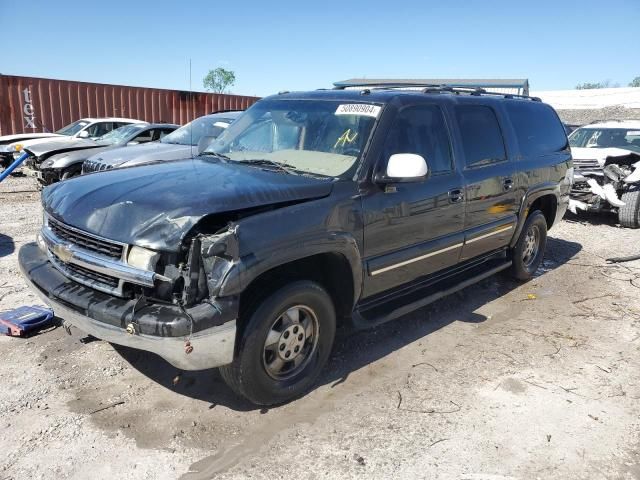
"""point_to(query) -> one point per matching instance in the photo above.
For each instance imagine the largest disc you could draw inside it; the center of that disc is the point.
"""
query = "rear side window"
(421, 130)
(481, 135)
(537, 127)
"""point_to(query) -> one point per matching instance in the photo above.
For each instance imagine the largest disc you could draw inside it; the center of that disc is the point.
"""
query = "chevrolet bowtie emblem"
(63, 253)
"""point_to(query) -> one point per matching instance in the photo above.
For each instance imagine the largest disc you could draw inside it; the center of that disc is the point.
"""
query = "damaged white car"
(606, 158)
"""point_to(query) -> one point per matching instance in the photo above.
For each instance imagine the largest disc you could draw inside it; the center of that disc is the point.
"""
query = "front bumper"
(159, 328)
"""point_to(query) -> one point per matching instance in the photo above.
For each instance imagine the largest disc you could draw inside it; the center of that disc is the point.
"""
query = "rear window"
(481, 136)
(537, 127)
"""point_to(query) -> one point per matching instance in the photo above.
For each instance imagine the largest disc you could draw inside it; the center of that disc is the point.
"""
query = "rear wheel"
(629, 213)
(285, 343)
(528, 252)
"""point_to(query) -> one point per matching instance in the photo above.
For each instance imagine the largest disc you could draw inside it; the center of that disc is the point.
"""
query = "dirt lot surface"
(502, 380)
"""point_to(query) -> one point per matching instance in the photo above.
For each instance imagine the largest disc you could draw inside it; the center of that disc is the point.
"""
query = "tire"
(254, 373)
(629, 214)
(528, 252)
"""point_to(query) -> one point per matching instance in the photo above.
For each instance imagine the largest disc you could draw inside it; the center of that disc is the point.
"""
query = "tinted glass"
(481, 136)
(421, 130)
(538, 129)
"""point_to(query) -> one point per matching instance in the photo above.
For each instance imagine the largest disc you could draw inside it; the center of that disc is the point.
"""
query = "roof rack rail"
(433, 88)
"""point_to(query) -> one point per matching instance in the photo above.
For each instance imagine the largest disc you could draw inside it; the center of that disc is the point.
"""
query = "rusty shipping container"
(29, 104)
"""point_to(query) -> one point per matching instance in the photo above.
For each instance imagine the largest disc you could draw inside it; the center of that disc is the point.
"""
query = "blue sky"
(297, 45)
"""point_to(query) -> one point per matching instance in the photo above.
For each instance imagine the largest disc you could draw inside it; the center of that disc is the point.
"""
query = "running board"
(418, 298)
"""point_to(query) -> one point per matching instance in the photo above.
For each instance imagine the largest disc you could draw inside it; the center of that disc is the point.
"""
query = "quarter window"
(421, 130)
(481, 136)
(537, 127)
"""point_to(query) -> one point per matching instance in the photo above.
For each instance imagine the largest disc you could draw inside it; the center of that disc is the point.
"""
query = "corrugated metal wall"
(29, 104)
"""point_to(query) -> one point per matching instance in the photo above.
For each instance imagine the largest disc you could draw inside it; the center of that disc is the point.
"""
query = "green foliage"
(635, 82)
(219, 80)
(590, 85)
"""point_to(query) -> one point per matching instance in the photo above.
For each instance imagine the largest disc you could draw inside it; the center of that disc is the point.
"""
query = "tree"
(219, 80)
(590, 85)
(635, 82)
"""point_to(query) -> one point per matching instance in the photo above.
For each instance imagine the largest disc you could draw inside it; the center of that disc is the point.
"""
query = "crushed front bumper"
(159, 328)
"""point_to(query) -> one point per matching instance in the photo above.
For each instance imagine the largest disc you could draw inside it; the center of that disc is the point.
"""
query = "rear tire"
(285, 344)
(629, 214)
(528, 252)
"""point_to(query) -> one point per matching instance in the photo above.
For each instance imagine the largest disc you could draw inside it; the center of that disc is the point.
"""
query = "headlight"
(143, 258)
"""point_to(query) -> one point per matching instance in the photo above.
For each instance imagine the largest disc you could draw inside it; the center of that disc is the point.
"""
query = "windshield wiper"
(214, 154)
(285, 167)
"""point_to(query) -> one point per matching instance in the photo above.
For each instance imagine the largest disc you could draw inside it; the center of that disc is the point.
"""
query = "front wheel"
(528, 252)
(285, 344)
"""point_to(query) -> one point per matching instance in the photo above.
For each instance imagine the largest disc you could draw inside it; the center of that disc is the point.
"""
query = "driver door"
(413, 229)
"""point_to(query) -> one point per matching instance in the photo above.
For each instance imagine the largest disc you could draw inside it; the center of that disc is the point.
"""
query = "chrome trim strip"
(415, 259)
(495, 232)
(92, 261)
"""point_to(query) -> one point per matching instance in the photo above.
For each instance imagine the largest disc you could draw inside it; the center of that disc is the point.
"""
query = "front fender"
(60, 161)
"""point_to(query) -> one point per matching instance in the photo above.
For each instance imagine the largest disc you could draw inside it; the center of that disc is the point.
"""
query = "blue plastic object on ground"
(7, 171)
(22, 321)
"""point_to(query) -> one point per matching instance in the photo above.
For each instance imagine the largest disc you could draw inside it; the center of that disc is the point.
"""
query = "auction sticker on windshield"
(359, 109)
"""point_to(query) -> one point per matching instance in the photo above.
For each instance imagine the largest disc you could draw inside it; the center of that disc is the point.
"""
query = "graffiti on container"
(28, 110)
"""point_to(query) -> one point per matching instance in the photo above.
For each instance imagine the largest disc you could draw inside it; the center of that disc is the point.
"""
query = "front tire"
(528, 252)
(629, 213)
(284, 346)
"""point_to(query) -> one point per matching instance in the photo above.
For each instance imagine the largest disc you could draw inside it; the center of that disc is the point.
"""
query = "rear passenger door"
(416, 228)
(489, 172)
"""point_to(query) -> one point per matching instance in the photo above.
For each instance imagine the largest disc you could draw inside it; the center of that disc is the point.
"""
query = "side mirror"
(404, 167)
(83, 134)
(204, 143)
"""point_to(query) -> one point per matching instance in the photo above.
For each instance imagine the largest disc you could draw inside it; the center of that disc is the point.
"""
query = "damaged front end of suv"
(607, 179)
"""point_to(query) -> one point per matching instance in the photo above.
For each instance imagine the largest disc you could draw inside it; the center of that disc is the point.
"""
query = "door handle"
(507, 184)
(456, 195)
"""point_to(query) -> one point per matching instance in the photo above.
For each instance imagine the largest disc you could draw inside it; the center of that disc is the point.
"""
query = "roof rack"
(430, 88)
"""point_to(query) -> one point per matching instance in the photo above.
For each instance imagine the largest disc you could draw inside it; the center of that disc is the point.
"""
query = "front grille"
(85, 240)
(586, 164)
(91, 167)
(87, 277)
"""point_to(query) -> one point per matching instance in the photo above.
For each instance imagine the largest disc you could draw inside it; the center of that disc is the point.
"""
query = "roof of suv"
(635, 124)
(384, 95)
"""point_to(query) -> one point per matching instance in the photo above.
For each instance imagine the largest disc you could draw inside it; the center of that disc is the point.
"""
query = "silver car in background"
(186, 142)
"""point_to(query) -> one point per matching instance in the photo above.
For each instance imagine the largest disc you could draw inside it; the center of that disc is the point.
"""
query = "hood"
(63, 160)
(145, 153)
(41, 147)
(599, 154)
(155, 206)
(6, 139)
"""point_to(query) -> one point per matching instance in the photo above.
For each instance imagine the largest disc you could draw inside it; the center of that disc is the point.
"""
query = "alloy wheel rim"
(291, 342)
(531, 245)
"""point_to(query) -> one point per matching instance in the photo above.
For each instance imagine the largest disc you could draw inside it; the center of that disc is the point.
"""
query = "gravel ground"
(500, 381)
(584, 116)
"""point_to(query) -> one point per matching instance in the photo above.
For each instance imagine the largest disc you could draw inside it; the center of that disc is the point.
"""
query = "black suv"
(315, 208)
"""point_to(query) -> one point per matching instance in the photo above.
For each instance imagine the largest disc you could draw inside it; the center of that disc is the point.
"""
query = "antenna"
(192, 113)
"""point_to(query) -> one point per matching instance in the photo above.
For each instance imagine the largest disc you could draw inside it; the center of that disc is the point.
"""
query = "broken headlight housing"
(143, 258)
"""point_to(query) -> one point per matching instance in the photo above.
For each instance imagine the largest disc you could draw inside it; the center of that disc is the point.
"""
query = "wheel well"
(548, 205)
(331, 270)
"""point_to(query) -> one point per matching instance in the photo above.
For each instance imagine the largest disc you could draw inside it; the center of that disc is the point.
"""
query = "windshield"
(606, 137)
(191, 133)
(318, 137)
(73, 128)
(120, 134)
